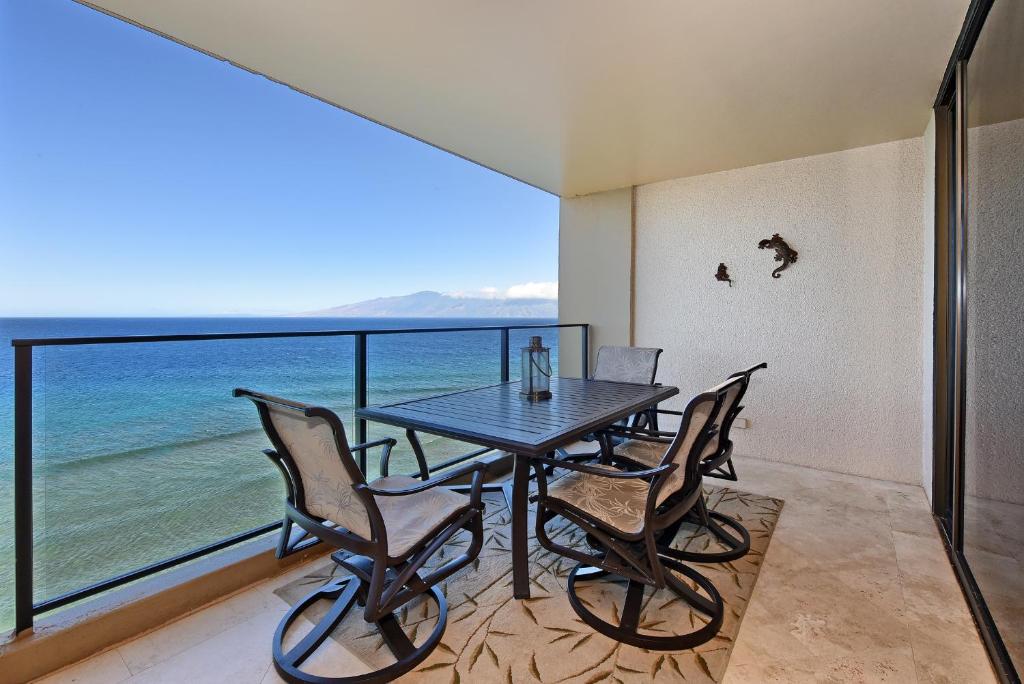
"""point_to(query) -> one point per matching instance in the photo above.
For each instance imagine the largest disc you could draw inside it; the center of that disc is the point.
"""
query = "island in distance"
(429, 304)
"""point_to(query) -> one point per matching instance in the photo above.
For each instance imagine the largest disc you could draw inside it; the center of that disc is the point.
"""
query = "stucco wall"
(994, 409)
(594, 267)
(927, 304)
(841, 329)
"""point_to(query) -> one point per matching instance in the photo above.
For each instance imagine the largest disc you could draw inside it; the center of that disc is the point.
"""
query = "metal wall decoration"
(783, 252)
(723, 274)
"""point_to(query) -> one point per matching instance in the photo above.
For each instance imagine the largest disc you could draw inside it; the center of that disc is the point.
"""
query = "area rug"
(491, 637)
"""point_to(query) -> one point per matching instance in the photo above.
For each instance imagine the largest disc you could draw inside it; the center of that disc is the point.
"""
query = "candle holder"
(536, 371)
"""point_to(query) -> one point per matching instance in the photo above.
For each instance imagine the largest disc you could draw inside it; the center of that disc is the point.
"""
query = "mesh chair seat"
(617, 503)
(645, 453)
(410, 518)
(650, 454)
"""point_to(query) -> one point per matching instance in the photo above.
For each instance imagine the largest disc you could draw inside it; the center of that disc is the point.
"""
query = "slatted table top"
(498, 417)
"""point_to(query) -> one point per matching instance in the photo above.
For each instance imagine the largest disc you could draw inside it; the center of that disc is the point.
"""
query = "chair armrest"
(388, 443)
(591, 470)
(643, 434)
(656, 474)
(465, 469)
(369, 445)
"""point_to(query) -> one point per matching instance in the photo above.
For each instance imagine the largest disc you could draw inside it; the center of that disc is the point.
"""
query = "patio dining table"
(497, 417)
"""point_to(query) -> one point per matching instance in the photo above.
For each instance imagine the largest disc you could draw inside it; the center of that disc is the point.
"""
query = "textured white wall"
(994, 429)
(841, 329)
(927, 305)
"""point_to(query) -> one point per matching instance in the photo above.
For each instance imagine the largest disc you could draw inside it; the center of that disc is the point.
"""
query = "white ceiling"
(578, 96)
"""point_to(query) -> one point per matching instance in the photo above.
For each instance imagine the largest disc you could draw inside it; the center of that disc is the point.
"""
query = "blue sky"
(139, 177)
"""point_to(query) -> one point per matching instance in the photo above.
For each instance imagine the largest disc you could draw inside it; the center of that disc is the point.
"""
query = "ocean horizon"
(141, 452)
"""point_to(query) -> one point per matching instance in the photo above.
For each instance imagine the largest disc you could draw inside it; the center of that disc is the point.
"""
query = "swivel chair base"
(345, 592)
(628, 629)
(727, 530)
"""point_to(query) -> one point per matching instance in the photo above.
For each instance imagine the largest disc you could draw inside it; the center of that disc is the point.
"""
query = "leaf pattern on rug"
(492, 637)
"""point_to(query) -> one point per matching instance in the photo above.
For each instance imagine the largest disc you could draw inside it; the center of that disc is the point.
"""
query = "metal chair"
(385, 531)
(619, 364)
(624, 513)
(645, 448)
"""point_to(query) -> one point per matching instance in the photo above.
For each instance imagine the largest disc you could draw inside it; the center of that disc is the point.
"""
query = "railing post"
(359, 393)
(585, 350)
(504, 354)
(23, 591)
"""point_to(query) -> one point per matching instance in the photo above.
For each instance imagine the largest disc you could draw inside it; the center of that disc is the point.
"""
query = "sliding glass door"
(993, 415)
(979, 463)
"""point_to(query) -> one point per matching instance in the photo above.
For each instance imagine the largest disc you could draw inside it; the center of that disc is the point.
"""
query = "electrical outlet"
(741, 423)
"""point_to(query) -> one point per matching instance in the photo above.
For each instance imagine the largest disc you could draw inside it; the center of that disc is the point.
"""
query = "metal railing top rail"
(26, 608)
(200, 337)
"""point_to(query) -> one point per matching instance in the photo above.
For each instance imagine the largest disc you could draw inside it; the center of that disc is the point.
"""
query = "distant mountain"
(429, 304)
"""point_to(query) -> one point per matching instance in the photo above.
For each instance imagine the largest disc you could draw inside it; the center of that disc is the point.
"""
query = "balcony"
(848, 576)
(828, 188)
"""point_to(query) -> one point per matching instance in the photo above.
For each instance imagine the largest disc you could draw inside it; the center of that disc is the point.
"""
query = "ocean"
(141, 453)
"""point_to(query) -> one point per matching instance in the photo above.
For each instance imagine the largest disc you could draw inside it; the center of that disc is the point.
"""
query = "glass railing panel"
(7, 542)
(142, 453)
(410, 366)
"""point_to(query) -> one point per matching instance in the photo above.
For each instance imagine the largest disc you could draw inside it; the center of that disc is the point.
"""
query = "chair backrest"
(311, 442)
(730, 409)
(627, 364)
(692, 442)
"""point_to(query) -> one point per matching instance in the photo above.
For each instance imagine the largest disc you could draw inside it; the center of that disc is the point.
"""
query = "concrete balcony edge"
(84, 629)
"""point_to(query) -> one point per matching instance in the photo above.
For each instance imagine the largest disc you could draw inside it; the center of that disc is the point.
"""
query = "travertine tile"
(947, 647)
(891, 666)
(330, 660)
(909, 512)
(856, 586)
(920, 557)
(948, 650)
(239, 654)
(822, 614)
(105, 668)
(180, 635)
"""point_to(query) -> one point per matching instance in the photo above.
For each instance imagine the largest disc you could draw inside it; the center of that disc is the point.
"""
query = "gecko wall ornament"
(783, 252)
(723, 274)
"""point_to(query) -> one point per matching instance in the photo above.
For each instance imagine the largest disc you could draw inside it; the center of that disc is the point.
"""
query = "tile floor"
(855, 588)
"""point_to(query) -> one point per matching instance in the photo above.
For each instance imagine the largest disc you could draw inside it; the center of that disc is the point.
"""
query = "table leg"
(520, 550)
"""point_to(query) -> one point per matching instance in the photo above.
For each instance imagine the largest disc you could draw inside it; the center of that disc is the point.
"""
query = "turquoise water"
(140, 452)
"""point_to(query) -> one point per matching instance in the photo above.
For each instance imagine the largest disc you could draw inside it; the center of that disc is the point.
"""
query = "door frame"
(949, 331)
